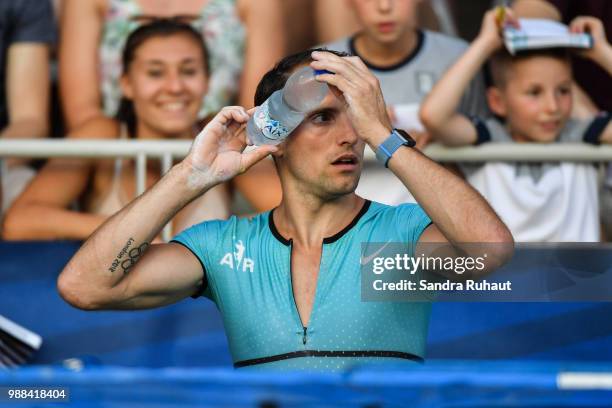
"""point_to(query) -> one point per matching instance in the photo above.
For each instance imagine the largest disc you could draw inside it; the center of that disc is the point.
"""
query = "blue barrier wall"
(436, 384)
(191, 333)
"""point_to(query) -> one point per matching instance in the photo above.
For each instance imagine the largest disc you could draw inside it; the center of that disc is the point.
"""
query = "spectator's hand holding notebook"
(535, 33)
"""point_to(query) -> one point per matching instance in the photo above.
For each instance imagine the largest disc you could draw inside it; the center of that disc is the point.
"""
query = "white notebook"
(539, 33)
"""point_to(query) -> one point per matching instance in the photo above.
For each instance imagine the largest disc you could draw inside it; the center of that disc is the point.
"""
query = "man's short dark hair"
(275, 79)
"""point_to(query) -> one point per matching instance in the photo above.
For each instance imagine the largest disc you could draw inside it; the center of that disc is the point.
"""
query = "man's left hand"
(361, 91)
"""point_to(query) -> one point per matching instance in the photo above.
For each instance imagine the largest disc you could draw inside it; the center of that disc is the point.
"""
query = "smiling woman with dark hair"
(164, 80)
(94, 32)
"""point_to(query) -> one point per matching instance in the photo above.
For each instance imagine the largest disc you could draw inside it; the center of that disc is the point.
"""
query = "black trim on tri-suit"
(329, 353)
(326, 240)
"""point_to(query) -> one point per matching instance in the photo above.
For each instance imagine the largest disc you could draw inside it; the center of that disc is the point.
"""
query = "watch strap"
(396, 139)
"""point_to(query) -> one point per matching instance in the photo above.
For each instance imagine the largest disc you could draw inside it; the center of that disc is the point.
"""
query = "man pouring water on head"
(287, 282)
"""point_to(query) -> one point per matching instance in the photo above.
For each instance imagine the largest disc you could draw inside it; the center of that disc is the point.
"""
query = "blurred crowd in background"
(157, 69)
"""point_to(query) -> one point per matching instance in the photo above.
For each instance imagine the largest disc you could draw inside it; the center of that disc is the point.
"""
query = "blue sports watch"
(396, 139)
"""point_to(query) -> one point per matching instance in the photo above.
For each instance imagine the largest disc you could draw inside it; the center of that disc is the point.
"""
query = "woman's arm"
(81, 26)
(265, 43)
(27, 92)
(42, 210)
(334, 20)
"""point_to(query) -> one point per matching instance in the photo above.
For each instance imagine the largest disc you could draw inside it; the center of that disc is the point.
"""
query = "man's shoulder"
(402, 223)
(231, 227)
(240, 222)
(382, 211)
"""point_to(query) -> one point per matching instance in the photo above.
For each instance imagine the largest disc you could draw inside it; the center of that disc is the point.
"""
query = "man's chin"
(346, 188)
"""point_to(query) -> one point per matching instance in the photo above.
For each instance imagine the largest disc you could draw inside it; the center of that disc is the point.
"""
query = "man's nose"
(346, 133)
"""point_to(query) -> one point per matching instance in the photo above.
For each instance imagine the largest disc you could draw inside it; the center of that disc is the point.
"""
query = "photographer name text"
(444, 286)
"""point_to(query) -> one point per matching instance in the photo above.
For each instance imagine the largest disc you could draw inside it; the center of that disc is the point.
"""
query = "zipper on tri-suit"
(304, 331)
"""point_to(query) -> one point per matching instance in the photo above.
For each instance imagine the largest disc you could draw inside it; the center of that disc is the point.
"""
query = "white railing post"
(141, 173)
(508, 152)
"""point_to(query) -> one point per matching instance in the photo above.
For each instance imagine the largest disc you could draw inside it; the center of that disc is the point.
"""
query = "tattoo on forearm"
(120, 255)
(133, 255)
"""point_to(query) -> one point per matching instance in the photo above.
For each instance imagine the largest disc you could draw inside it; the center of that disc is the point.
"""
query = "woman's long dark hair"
(158, 28)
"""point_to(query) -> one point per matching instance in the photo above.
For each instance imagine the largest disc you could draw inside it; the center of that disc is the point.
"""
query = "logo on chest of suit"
(237, 260)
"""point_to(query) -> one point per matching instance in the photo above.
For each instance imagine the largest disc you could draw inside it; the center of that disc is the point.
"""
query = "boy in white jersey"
(407, 61)
(532, 101)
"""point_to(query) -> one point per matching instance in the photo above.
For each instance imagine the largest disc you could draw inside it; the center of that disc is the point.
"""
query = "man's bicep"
(430, 241)
(432, 234)
(166, 274)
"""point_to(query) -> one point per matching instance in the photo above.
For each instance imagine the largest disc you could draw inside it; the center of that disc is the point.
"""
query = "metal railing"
(166, 151)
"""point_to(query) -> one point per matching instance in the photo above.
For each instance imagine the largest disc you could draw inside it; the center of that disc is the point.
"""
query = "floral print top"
(224, 35)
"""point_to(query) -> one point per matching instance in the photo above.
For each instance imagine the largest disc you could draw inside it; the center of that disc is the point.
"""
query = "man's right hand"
(217, 153)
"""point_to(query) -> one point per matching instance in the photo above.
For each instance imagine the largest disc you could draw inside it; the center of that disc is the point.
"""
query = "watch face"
(409, 140)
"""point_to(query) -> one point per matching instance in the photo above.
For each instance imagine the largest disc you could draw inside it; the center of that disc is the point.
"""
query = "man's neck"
(386, 54)
(307, 221)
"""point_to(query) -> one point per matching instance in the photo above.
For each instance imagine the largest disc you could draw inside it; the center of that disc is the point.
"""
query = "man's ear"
(126, 88)
(497, 101)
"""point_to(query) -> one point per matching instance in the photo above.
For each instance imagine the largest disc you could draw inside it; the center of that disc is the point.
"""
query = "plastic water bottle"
(286, 108)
